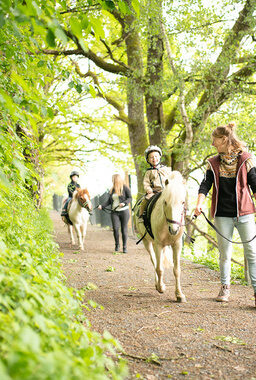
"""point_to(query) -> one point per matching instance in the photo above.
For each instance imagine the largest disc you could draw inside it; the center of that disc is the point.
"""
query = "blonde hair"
(118, 184)
(233, 142)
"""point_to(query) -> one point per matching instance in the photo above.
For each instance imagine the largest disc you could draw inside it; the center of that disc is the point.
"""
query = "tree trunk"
(154, 75)
(135, 100)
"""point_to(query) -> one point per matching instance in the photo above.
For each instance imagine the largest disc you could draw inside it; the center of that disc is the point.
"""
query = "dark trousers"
(120, 218)
(64, 210)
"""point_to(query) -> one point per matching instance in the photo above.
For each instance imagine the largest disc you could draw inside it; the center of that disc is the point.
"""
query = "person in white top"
(119, 198)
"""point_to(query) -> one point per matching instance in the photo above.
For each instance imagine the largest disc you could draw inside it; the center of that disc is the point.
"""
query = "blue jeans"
(246, 228)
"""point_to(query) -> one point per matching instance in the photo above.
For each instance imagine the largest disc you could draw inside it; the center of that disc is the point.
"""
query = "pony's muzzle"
(174, 229)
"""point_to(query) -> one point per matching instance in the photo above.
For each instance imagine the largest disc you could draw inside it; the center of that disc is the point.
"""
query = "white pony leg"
(160, 286)
(176, 271)
(83, 230)
(79, 237)
(149, 247)
(70, 230)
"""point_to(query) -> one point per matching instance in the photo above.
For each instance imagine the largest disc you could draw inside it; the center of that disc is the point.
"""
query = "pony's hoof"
(160, 289)
(181, 299)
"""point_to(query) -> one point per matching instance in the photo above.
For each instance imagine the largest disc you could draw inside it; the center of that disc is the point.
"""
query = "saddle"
(148, 211)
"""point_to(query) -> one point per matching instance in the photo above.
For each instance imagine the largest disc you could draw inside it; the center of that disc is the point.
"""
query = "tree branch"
(185, 118)
(219, 71)
(119, 107)
(99, 61)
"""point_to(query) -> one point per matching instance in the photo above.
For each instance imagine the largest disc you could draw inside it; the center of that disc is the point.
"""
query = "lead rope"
(224, 237)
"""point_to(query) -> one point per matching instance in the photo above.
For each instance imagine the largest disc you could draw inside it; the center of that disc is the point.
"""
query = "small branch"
(144, 327)
(119, 107)
(222, 348)
(210, 239)
(100, 62)
(152, 360)
(75, 10)
(112, 56)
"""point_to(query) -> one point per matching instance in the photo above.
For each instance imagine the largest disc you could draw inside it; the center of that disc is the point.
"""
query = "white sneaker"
(223, 294)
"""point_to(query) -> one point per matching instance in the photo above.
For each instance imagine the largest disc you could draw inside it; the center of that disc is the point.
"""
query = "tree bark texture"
(135, 98)
(154, 76)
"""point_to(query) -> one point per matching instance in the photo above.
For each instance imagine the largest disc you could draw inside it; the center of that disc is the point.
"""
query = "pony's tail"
(168, 258)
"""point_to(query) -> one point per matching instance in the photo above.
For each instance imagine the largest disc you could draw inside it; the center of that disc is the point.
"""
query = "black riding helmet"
(74, 172)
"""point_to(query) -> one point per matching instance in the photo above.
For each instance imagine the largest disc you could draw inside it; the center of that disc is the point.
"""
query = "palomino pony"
(167, 224)
(78, 211)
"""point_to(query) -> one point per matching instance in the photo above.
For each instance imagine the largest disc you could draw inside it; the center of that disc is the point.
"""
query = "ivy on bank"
(44, 334)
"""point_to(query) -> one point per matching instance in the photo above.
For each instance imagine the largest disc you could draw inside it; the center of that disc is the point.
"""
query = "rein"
(107, 210)
(219, 233)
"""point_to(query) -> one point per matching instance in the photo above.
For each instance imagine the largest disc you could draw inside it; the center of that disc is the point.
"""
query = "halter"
(83, 204)
(175, 221)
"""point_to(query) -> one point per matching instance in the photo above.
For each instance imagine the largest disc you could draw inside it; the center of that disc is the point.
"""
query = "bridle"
(83, 204)
(180, 224)
(182, 217)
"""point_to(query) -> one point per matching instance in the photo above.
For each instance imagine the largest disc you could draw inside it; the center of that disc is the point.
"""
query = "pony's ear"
(166, 182)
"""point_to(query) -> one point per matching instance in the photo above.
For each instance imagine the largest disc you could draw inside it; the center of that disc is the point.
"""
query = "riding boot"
(116, 248)
(143, 206)
(124, 249)
(64, 211)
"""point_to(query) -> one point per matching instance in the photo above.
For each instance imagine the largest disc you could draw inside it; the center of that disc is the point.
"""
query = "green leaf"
(76, 27)
(85, 23)
(50, 112)
(50, 38)
(110, 269)
(79, 88)
(92, 91)
(40, 63)
(4, 183)
(59, 34)
(110, 5)
(20, 81)
(91, 286)
(2, 20)
(136, 6)
(230, 339)
(123, 7)
(97, 27)
(153, 358)
(19, 165)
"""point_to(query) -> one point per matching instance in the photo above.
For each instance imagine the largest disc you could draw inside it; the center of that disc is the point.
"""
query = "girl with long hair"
(119, 198)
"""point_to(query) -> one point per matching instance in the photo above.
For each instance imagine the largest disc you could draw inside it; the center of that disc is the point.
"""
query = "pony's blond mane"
(176, 176)
(175, 185)
(81, 192)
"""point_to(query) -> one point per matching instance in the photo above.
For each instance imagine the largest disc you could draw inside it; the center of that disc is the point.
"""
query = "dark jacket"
(244, 202)
(72, 186)
(125, 197)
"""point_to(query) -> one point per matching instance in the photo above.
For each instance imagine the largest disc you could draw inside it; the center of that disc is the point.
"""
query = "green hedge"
(43, 333)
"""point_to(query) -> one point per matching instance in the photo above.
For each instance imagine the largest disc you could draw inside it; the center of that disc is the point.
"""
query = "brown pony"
(78, 211)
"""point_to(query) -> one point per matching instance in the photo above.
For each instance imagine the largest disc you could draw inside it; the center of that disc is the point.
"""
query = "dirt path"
(200, 339)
